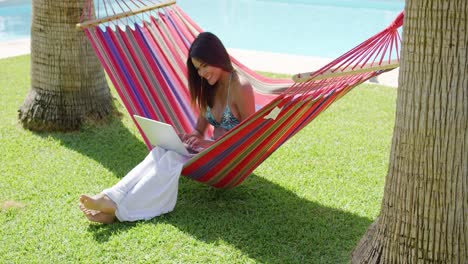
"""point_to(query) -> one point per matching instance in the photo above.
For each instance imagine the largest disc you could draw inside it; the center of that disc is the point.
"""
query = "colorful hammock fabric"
(144, 52)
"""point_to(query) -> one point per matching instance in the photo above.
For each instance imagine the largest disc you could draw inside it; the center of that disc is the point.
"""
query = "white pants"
(149, 189)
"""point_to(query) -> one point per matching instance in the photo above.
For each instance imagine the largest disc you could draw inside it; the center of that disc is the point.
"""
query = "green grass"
(310, 202)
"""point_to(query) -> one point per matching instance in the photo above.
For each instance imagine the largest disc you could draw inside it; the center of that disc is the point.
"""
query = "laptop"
(162, 135)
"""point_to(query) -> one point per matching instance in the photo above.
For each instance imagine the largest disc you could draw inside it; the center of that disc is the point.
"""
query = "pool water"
(15, 19)
(323, 28)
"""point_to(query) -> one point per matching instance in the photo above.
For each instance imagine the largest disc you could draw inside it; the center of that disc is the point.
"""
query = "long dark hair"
(206, 48)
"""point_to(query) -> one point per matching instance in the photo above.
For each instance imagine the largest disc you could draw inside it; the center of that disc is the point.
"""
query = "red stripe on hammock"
(139, 55)
(108, 63)
(171, 79)
(178, 82)
(119, 71)
(131, 71)
(181, 63)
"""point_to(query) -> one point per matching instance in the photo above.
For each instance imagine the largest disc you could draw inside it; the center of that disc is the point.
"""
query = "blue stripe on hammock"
(184, 39)
(138, 53)
(121, 37)
(187, 112)
(187, 109)
(122, 67)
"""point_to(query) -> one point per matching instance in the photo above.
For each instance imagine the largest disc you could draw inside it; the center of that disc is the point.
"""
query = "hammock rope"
(144, 52)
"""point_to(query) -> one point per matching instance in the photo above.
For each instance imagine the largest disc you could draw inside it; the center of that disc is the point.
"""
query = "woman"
(150, 189)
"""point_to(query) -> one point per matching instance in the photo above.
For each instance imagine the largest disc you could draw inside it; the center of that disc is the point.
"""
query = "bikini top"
(228, 120)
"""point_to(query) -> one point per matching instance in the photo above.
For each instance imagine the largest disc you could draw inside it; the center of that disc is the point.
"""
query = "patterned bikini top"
(228, 120)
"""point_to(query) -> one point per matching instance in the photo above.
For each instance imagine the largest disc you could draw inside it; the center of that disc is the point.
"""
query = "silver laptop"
(162, 135)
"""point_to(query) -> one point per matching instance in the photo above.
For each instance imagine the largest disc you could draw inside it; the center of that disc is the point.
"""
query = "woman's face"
(210, 73)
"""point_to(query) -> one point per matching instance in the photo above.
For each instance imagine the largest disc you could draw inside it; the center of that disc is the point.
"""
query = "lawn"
(310, 202)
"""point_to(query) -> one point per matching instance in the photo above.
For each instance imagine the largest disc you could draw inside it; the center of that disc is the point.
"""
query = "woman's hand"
(187, 137)
(195, 140)
(198, 144)
(190, 139)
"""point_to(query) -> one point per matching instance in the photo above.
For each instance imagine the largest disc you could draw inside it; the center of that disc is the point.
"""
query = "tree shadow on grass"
(268, 223)
(260, 218)
(113, 146)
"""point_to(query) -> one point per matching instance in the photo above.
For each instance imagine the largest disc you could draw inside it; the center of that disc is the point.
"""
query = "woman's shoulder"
(243, 84)
(243, 91)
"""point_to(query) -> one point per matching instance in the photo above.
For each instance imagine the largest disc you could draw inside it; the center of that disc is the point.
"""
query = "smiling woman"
(151, 188)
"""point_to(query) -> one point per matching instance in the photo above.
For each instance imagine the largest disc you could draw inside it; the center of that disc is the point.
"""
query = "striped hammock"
(143, 48)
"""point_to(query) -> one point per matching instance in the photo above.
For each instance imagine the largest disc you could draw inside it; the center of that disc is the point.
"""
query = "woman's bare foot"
(97, 216)
(98, 202)
(87, 211)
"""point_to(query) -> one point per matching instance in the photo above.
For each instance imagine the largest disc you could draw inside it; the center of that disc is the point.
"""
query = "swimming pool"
(324, 28)
(15, 19)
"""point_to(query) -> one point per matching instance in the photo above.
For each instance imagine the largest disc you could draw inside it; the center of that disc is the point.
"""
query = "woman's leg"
(117, 192)
(156, 191)
(107, 200)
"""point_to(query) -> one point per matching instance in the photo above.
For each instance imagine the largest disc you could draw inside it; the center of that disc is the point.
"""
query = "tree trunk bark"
(424, 211)
(68, 84)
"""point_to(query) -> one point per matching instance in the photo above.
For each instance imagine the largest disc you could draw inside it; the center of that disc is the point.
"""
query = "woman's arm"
(198, 132)
(196, 139)
(200, 127)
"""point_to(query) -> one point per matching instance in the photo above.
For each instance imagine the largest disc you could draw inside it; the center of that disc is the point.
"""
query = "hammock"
(143, 49)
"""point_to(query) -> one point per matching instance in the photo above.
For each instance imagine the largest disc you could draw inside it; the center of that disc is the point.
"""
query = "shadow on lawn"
(262, 219)
(113, 146)
(268, 223)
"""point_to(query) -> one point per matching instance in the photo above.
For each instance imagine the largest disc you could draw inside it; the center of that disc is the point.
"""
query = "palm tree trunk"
(68, 84)
(424, 215)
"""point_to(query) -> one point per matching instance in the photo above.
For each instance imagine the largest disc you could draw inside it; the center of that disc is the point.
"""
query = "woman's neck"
(223, 81)
(222, 86)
